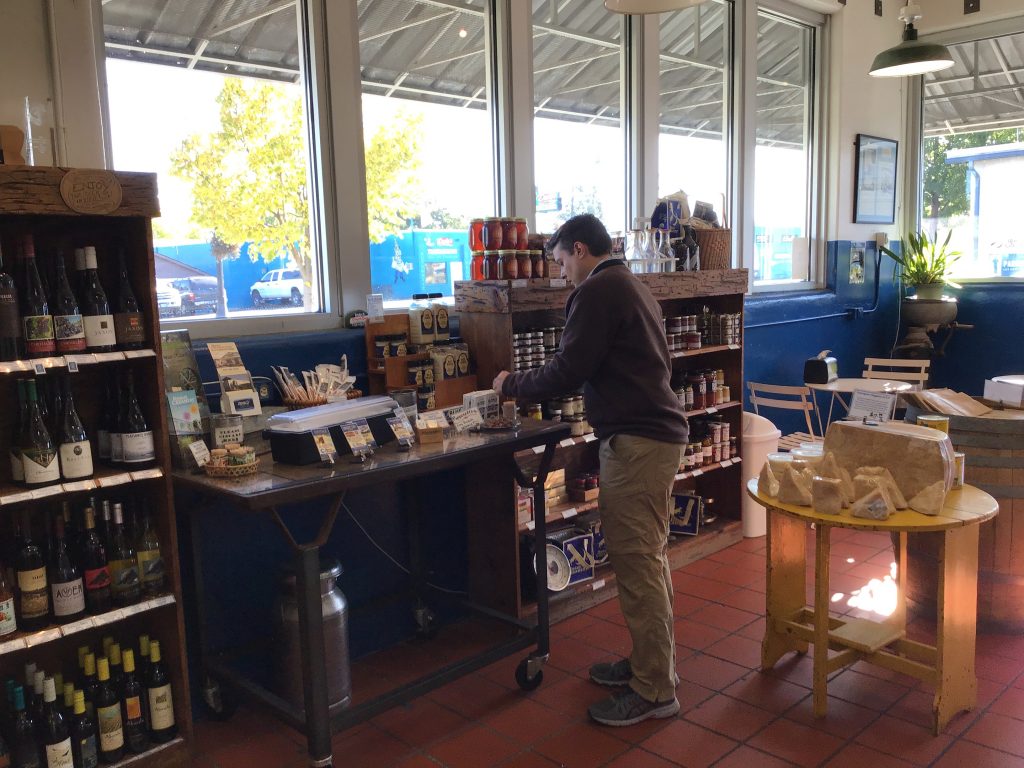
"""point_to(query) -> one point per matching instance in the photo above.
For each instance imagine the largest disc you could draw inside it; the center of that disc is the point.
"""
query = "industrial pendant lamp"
(911, 57)
(649, 6)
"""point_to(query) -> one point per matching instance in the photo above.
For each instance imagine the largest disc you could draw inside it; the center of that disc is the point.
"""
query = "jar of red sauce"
(539, 263)
(524, 267)
(492, 265)
(476, 235)
(476, 266)
(492, 234)
(522, 234)
(509, 234)
(509, 269)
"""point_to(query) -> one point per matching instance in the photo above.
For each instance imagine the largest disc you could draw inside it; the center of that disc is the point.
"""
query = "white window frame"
(744, 135)
(913, 167)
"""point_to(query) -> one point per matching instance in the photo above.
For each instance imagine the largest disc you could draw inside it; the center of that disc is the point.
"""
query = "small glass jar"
(507, 270)
(716, 453)
(555, 414)
(533, 411)
(509, 234)
(706, 448)
(576, 428)
(425, 398)
(398, 345)
(493, 234)
(692, 339)
(492, 265)
(382, 344)
(476, 235)
(538, 263)
(733, 452)
(696, 381)
(688, 404)
(524, 267)
(522, 234)
(698, 455)
(476, 265)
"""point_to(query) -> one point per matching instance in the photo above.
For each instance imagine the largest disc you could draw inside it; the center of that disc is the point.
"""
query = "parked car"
(198, 294)
(168, 299)
(284, 285)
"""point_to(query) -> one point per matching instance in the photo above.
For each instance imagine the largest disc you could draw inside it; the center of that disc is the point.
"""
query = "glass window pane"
(427, 133)
(782, 157)
(973, 156)
(694, 88)
(579, 158)
(213, 100)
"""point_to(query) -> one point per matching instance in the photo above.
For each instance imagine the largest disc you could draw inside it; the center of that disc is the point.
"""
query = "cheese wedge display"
(767, 483)
(890, 483)
(875, 506)
(795, 488)
(930, 500)
(827, 495)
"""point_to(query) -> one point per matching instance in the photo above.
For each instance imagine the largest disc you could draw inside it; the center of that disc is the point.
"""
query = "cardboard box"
(484, 400)
(590, 494)
(578, 549)
(555, 477)
(429, 432)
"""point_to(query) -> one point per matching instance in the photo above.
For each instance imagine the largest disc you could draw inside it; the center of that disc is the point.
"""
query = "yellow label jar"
(421, 320)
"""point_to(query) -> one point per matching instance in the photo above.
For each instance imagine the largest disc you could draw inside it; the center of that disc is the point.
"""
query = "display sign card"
(375, 308)
(184, 412)
(200, 452)
(364, 428)
(402, 430)
(466, 418)
(873, 406)
(325, 445)
(356, 437)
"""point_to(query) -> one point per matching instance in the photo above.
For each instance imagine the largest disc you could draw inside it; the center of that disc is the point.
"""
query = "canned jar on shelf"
(493, 234)
(509, 234)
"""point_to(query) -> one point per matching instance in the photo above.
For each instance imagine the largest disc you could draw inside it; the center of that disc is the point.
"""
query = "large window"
(972, 156)
(579, 159)
(427, 133)
(785, 128)
(693, 83)
(216, 104)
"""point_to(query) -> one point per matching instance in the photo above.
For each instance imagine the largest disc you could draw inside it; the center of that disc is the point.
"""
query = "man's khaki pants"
(635, 503)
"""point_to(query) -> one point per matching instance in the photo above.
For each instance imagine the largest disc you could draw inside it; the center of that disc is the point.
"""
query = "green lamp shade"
(911, 57)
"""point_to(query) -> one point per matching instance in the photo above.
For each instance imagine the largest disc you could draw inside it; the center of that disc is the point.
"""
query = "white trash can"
(760, 437)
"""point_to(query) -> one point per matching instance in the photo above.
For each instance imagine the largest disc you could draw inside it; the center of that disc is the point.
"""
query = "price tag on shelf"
(159, 602)
(558, 282)
(131, 610)
(108, 357)
(734, 346)
(532, 525)
(710, 410)
(467, 418)
(596, 585)
(589, 437)
(149, 474)
(567, 442)
(80, 485)
(77, 626)
(109, 617)
(50, 490)
(325, 443)
(538, 449)
(697, 473)
(79, 359)
(570, 512)
(72, 366)
(14, 365)
(681, 476)
(41, 637)
(520, 283)
(38, 367)
(111, 480)
(402, 430)
(133, 353)
(737, 459)
(16, 498)
(17, 644)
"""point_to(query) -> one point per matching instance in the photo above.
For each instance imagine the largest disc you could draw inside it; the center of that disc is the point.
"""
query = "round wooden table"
(848, 386)
(791, 624)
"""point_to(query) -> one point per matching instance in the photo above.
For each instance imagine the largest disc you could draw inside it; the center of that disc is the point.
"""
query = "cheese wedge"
(827, 495)
(795, 488)
(875, 506)
(897, 497)
(930, 500)
(767, 483)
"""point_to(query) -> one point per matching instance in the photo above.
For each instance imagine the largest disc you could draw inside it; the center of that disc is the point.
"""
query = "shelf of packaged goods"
(57, 362)
(22, 640)
(106, 478)
(682, 550)
(379, 365)
(562, 512)
(566, 443)
(705, 350)
(713, 409)
(699, 471)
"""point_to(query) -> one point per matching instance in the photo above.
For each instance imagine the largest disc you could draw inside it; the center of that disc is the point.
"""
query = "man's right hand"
(499, 381)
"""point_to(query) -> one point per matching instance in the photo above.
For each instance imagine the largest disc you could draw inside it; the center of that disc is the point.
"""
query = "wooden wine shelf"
(709, 468)
(106, 478)
(704, 350)
(61, 361)
(22, 640)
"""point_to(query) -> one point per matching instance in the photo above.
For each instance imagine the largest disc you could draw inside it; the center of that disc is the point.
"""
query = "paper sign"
(200, 452)
(711, 410)
(354, 437)
(402, 430)
(16, 498)
(558, 282)
(79, 485)
(38, 368)
(467, 418)
(567, 442)
(368, 438)
(875, 406)
(589, 437)
(77, 626)
(325, 444)
(72, 366)
(111, 480)
(375, 307)
(599, 584)
(520, 283)
(567, 513)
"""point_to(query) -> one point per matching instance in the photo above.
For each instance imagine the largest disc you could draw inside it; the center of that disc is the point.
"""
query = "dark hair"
(585, 228)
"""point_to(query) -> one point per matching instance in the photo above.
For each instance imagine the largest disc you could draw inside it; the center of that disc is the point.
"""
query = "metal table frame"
(280, 485)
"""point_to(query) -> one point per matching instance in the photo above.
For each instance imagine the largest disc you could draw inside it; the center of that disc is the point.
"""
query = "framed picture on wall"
(874, 191)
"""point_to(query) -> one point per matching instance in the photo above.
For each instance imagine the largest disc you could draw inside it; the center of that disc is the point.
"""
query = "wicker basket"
(232, 470)
(298, 405)
(715, 248)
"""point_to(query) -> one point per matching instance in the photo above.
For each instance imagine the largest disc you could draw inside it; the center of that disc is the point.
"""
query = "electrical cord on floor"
(397, 564)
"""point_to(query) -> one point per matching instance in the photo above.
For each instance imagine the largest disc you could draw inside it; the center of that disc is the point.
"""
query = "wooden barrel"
(994, 453)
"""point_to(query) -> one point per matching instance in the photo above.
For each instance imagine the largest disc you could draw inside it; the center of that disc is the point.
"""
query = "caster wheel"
(217, 704)
(523, 679)
(426, 622)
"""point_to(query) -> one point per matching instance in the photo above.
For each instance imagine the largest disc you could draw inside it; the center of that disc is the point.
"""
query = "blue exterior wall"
(239, 273)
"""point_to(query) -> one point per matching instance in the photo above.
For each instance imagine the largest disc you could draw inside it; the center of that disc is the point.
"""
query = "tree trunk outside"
(222, 303)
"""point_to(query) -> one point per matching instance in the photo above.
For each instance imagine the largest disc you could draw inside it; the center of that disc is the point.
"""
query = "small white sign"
(200, 452)
(375, 307)
(467, 418)
(874, 406)
(570, 512)
(520, 283)
(77, 626)
(72, 366)
(567, 442)
(38, 367)
(112, 480)
(79, 485)
(45, 636)
(558, 282)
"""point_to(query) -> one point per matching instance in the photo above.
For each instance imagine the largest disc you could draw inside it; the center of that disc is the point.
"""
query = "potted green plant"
(924, 264)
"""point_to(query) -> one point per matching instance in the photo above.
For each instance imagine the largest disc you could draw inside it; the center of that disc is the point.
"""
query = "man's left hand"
(499, 380)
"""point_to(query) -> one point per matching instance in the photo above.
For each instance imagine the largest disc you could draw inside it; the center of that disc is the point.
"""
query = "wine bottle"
(54, 414)
(68, 324)
(161, 700)
(84, 745)
(137, 444)
(38, 453)
(8, 622)
(10, 321)
(124, 571)
(108, 715)
(99, 322)
(116, 420)
(33, 603)
(65, 580)
(129, 326)
(106, 526)
(116, 673)
(36, 704)
(75, 449)
(17, 463)
(131, 706)
(144, 657)
(24, 751)
(56, 741)
(95, 570)
(69, 700)
(79, 270)
(151, 562)
(90, 683)
(71, 530)
(37, 322)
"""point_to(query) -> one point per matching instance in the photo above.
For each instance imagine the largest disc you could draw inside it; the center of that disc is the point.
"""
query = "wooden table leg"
(786, 585)
(821, 604)
(956, 686)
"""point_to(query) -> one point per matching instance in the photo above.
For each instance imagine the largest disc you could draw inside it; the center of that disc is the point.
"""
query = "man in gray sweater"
(613, 346)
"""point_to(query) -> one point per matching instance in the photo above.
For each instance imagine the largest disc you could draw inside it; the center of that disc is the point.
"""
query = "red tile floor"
(731, 715)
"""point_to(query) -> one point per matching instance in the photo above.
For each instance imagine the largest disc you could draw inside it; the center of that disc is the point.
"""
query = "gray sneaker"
(615, 674)
(630, 708)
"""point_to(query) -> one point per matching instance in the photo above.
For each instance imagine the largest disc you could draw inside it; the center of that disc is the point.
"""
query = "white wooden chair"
(898, 369)
(796, 398)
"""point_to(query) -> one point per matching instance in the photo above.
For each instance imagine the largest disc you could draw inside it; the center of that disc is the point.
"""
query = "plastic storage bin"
(760, 437)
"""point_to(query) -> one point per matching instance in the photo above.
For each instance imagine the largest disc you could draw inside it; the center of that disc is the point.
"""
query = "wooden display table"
(791, 624)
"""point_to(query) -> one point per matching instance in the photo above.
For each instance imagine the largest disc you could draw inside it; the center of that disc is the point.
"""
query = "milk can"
(335, 613)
